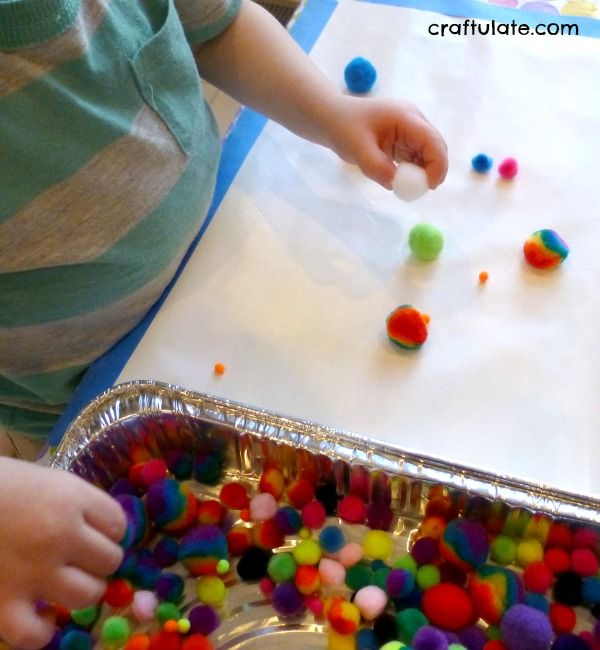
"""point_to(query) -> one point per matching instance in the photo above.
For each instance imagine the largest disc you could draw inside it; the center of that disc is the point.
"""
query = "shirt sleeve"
(205, 19)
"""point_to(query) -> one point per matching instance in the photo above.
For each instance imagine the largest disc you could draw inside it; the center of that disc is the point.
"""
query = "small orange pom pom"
(219, 369)
(483, 277)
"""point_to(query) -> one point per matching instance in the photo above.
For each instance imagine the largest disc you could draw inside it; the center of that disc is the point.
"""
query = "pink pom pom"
(350, 554)
(508, 168)
(143, 606)
(331, 572)
(263, 506)
(371, 601)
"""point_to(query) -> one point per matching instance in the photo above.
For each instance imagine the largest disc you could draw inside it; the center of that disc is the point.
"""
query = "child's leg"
(17, 446)
(7, 448)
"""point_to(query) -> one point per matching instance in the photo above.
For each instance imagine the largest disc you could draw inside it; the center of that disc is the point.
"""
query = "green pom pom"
(425, 241)
(282, 567)
(406, 562)
(428, 576)
(167, 612)
(503, 550)
(85, 617)
(115, 631)
(409, 622)
(379, 578)
(358, 576)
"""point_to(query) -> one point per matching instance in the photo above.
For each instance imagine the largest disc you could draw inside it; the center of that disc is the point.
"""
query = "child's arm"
(256, 61)
(58, 540)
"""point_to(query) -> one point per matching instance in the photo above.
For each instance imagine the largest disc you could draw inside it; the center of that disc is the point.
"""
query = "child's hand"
(374, 133)
(58, 540)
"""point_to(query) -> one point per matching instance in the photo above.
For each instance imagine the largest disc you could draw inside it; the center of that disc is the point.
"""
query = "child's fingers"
(376, 164)
(74, 589)
(23, 628)
(105, 514)
(95, 554)
(425, 140)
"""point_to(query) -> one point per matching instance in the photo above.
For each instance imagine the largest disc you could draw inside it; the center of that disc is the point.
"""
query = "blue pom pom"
(537, 601)
(590, 591)
(366, 640)
(332, 539)
(145, 576)
(569, 642)
(360, 75)
(169, 587)
(128, 565)
(482, 163)
(76, 640)
(166, 552)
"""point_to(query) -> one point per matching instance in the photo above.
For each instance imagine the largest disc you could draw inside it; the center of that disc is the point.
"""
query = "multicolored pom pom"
(201, 549)
(545, 249)
(406, 327)
(171, 505)
(465, 544)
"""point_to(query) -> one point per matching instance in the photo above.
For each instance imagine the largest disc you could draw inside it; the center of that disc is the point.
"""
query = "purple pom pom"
(429, 638)
(569, 642)
(170, 587)
(165, 552)
(425, 550)
(399, 583)
(473, 637)
(203, 620)
(287, 600)
(122, 486)
(526, 628)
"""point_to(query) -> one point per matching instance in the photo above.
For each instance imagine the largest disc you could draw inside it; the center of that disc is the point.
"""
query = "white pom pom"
(410, 181)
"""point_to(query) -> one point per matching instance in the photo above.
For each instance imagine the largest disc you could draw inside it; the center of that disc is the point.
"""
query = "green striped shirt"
(108, 157)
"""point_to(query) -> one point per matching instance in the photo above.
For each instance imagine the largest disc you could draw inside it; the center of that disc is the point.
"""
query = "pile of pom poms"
(478, 575)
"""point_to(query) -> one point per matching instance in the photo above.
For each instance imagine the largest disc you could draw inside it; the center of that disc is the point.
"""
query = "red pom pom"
(197, 642)
(211, 512)
(557, 559)
(152, 471)
(267, 535)
(559, 535)
(165, 641)
(562, 618)
(119, 593)
(538, 577)
(235, 496)
(352, 509)
(584, 562)
(495, 644)
(300, 493)
(239, 540)
(447, 606)
(313, 514)
(508, 168)
(585, 538)
(138, 642)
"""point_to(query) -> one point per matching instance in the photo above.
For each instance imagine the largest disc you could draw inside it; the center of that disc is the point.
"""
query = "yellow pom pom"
(528, 551)
(183, 625)
(304, 533)
(337, 641)
(307, 552)
(378, 545)
(211, 590)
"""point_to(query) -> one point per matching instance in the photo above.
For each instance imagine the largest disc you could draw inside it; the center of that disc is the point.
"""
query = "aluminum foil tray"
(147, 419)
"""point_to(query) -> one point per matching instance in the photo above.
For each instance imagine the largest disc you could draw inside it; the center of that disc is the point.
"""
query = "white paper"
(291, 284)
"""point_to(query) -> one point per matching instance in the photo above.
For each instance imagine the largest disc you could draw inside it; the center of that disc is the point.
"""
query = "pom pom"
(288, 520)
(344, 617)
(378, 545)
(358, 576)
(171, 505)
(409, 182)
(352, 509)
(538, 577)
(408, 562)
(494, 590)
(428, 575)
(203, 620)
(85, 617)
(465, 543)
(590, 591)
(562, 618)
(287, 600)
(399, 583)
(166, 552)
(201, 549)
(447, 606)
(300, 492)
(115, 631)
(528, 551)
(313, 515)
(409, 622)
(538, 602)
(211, 590)
(350, 554)
(76, 640)
(567, 588)
(366, 640)
(503, 550)
(253, 564)
(472, 637)
(267, 534)
(143, 606)
(385, 628)
(307, 579)
(584, 562)
(137, 520)
(407, 328)
(481, 163)
(234, 495)
(211, 512)
(331, 572)
(272, 481)
(281, 567)
(559, 536)
(170, 587)
(508, 169)
(557, 559)
(360, 75)
(371, 602)
(525, 628)
(327, 495)
(544, 249)
(207, 470)
(307, 552)
(428, 638)
(239, 540)
(119, 593)
(263, 506)
(425, 241)
(425, 550)
(585, 538)
(569, 642)
(167, 612)
(180, 464)
(332, 539)
(138, 642)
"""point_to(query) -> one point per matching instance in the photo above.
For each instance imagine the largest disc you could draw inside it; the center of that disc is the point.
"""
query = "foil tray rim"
(150, 397)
